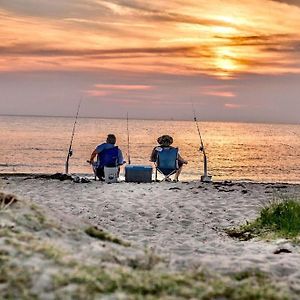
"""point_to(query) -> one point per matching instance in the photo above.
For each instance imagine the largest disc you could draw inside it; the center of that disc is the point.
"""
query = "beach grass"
(100, 234)
(159, 285)
(280, 218)
(39, 258)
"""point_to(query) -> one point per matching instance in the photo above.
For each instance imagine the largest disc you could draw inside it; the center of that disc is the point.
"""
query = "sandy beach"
(184, 222)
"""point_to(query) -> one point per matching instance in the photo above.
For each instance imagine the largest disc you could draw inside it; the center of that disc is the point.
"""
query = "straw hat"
(165, 140)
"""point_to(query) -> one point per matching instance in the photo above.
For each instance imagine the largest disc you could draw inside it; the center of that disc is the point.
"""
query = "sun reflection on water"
(261, 152)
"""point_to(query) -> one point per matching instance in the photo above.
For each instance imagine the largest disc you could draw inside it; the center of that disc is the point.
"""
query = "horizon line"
(144, 119)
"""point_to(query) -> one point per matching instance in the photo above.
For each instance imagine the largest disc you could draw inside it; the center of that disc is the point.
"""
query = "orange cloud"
(220, 94)
(101, 90)
(232, 105)
(218, 91)
(123, 87)
(97, 93)
(163, 36)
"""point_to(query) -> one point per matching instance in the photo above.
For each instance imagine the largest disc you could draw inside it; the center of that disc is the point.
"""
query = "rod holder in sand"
(205, 177)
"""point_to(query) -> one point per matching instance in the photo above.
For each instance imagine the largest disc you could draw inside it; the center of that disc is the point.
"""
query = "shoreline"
(122, 178)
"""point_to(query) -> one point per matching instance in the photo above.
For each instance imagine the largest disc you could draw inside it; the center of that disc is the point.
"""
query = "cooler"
(134, 173)
(111, 174)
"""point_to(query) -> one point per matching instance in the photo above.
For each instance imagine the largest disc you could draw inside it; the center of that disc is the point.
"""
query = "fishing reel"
(70, 152)
(201, 148)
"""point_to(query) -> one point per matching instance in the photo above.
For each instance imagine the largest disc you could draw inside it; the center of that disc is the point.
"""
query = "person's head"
(111, 139)
(165, 140)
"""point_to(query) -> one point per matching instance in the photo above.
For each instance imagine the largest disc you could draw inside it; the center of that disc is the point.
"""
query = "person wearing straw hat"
(165, 141)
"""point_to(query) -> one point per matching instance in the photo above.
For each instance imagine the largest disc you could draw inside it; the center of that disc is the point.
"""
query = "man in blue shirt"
(108, 155)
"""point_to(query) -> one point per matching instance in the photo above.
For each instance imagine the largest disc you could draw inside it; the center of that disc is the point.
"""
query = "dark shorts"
(100, 173)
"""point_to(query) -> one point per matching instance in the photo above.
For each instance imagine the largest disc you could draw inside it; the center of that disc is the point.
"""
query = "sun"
(225, 61)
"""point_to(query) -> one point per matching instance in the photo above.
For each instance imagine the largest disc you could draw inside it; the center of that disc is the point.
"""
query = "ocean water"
(235, 151)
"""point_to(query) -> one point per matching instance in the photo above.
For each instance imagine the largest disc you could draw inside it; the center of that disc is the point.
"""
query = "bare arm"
(153, 155)
(182, 160)
(93, 155)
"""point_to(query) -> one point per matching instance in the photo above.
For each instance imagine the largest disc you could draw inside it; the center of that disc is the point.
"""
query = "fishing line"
(128, 140)
(201, 148)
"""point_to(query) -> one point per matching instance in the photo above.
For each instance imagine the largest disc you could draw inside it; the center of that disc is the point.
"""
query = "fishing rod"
(201, 148)
(70, 152)
(205, 177)
(128, 142)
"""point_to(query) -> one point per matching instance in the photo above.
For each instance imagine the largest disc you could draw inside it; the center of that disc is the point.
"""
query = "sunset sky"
(236, 60)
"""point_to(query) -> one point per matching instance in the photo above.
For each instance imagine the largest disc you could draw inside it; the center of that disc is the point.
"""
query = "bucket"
(111, 174)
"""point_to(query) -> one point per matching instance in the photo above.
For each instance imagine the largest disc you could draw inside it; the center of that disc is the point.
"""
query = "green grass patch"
(157, 285)
(280, 218)
(102, 235)
(148, 261)
(15, 282)
(283, 217)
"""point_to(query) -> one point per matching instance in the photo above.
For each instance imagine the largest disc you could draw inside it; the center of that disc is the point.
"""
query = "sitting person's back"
(108, 155)
(165, 142)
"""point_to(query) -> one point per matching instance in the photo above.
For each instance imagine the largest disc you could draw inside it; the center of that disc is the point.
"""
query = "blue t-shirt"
(106, 146)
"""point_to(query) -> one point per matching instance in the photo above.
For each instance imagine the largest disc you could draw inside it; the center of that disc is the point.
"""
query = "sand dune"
(183, 221)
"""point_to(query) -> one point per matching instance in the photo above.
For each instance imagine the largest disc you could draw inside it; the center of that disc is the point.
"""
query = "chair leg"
(167, 178)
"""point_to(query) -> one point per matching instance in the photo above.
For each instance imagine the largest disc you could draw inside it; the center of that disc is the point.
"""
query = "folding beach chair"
(106, 158)
(166, 162)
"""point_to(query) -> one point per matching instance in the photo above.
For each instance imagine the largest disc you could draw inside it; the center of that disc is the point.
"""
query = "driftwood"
(6, 200)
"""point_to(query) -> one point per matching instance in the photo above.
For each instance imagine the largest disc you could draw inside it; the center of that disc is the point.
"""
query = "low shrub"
(279, 218)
